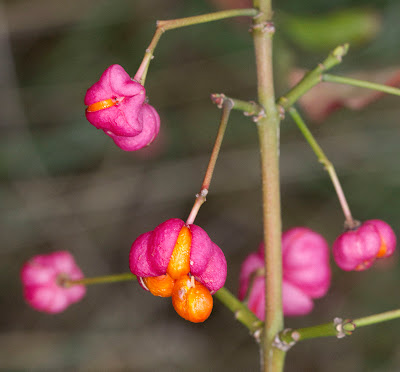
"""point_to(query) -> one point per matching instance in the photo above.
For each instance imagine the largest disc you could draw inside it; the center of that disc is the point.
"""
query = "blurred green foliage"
(320, 32)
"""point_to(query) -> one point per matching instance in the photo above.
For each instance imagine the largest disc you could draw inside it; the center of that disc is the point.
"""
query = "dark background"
(66, 186)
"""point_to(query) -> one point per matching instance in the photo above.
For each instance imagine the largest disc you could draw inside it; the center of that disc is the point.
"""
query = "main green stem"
(268, 133)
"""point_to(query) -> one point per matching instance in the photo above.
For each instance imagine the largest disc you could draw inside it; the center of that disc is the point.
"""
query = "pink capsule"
(305, 259)
(116, 104)
(151, 253)
(359, 248)
(42, 279)
(306, 273)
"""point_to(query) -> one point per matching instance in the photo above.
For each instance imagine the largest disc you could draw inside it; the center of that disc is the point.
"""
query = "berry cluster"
(179, 260)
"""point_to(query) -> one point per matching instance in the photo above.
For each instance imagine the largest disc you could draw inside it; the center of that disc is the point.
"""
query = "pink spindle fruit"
(117, 105)
(42, 279)
(358, 249)
(152, 252)
(180, 261)
(306, 273)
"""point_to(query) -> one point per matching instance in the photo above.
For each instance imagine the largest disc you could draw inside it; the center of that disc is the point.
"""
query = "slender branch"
(241, 311)
(141, 73)
(338, 328)
(195, 20)
(312, 78)
(163, 26)
(201, 196)
(350, 222)
(249, 108)
(361, 84)
(377, 318)
(101, 279)
(268, 134)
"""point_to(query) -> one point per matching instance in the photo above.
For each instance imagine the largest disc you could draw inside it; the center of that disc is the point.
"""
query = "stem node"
(261, 114)
(281, 110)
(340, 51)
(257, 335)
(218, 99)
(264, 27)
(284, 345)
(259, 15)
(343, 327)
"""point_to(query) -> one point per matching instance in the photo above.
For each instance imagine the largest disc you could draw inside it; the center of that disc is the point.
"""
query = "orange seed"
(97, 106)
(179, 264)
(191, 299)
(161, 286)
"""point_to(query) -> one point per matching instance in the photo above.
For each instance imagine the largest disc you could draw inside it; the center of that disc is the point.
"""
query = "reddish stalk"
(201, 196)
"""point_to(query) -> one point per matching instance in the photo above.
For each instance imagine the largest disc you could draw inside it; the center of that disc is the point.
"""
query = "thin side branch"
(361, 83)
(350, 222)
(101, 279)
(249, 108)
(201, 196)
(337, 328)
(312, 78)
(241, 311)
(163, 26)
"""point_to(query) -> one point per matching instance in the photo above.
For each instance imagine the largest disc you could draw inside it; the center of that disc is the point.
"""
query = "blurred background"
(66, 186)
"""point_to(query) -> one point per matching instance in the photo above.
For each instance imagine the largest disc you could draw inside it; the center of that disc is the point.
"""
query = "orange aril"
(160, 285)
(101, 105)
(191, 299)
(179, 264)
(382, 250)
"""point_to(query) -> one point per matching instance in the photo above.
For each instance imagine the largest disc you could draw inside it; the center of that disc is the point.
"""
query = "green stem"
(289, 336)
(313, 77)
(377, 318)
(163, 26)
(361, 84)
(102, 279)
(241, 311)
(268, 133)
(250, 108)
(338, 328)
(350, 222)
(201, 196)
